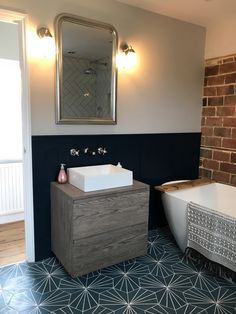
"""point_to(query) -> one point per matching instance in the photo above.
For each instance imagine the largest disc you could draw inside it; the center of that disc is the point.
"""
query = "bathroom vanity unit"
(92, 230)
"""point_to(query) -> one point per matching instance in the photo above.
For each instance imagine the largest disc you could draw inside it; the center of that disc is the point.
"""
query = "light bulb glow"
(126, 59)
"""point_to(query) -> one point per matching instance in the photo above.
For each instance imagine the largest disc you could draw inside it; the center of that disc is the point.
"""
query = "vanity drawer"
(108, 249)
(99, 215)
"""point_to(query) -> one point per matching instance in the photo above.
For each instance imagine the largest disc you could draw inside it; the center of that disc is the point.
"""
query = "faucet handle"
(102, 150)
(74, 152)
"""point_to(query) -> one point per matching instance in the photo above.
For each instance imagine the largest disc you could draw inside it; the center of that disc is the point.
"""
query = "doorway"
(16, 200)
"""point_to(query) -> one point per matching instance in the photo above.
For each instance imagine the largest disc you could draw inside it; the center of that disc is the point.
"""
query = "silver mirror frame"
(59, 65)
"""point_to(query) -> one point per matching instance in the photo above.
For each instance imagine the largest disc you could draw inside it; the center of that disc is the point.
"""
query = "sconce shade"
(46, 45)
(43, 32)
(127, 58)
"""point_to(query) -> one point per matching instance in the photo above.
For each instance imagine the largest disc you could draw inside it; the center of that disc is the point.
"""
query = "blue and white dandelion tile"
(46, 278)
(98, 310)
(12, 271)
(17, 284)
(126, 276)
(5, 297)
(190, 309)
(221, 282)
(199, 277)
(72, 310)
(120, 302)
(169, 290)
(23, 301)
(159, 265)
(51, 261)
(86, 283)
(218, 301)
(154, 247)
(31, 302)
(7, 310)
(85, 290)
(84, 300)
(40, 269)
(173, 248)
(160, 309)
(66, 310)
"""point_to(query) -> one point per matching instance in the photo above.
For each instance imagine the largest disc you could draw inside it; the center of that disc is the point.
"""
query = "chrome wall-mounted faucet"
(74, 152)
(88, 151)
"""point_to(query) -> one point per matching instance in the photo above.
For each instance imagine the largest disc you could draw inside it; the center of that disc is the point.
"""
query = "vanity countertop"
(75, 193)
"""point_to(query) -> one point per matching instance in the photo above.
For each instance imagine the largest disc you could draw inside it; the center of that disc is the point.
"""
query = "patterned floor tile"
(160, 265)
(126, 275)
(200, 278)
(163, 282)
(218, 301)
(119, 302)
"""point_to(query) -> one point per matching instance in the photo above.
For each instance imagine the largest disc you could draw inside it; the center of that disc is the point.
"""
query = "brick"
(207, 153)
(208, 131)
(215, 101)
(229, 121)
(208, 111)
(211, 70)
(205, 173)
(233, 132)
(221, 155)
(226, 111)
(227, 167)
(210, 91)
(205, 81)
(213, 121)
(203, 121)
(221, 176)
(230, 100)
(204, 101)
(230, 78)
(233, 180)
(224, 90)
(211, 164)
(202, 140)
(229, 143)
(223, 132)
(230, 59)
(200, 162)
(216, 80)
(227, 67)
(233, 158)
(212, 141)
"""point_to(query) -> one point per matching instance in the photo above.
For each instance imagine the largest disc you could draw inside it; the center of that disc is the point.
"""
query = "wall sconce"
(126, 59)
(43, 32)
(46, 41)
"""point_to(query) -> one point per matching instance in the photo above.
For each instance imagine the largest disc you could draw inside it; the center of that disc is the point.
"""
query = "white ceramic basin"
(94, 178)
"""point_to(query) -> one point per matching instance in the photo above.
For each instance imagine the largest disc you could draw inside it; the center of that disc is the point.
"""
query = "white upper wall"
(161, 95)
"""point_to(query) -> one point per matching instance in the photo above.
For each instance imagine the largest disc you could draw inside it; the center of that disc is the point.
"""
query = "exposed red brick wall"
(218, 143)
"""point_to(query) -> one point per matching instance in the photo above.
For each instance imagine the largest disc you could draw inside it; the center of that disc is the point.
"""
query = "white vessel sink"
(94, 178)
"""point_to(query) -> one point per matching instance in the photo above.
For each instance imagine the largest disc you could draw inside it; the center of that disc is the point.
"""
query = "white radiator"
(11, 188)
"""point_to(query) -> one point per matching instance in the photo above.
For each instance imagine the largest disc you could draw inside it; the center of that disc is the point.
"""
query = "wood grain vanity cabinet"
(92, 230)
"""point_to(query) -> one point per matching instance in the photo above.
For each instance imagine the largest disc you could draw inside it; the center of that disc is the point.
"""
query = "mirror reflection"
(86, 72)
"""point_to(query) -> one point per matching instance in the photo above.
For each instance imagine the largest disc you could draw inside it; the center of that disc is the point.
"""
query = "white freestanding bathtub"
(216, 196)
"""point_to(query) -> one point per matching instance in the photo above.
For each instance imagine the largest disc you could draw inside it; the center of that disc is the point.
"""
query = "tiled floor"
(160, 282)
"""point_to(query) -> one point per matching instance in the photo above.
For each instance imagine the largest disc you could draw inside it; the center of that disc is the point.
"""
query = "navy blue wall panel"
(153, 158)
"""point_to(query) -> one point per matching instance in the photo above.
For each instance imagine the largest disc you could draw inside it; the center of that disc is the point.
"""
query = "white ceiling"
(200, 12)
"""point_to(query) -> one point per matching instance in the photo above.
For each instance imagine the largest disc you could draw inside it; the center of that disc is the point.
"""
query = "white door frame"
(21, 20)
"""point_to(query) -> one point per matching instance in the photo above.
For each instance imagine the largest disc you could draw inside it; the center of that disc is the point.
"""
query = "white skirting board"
(11, 217)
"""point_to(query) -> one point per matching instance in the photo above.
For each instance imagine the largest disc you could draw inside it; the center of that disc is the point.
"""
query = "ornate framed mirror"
(86, 74)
